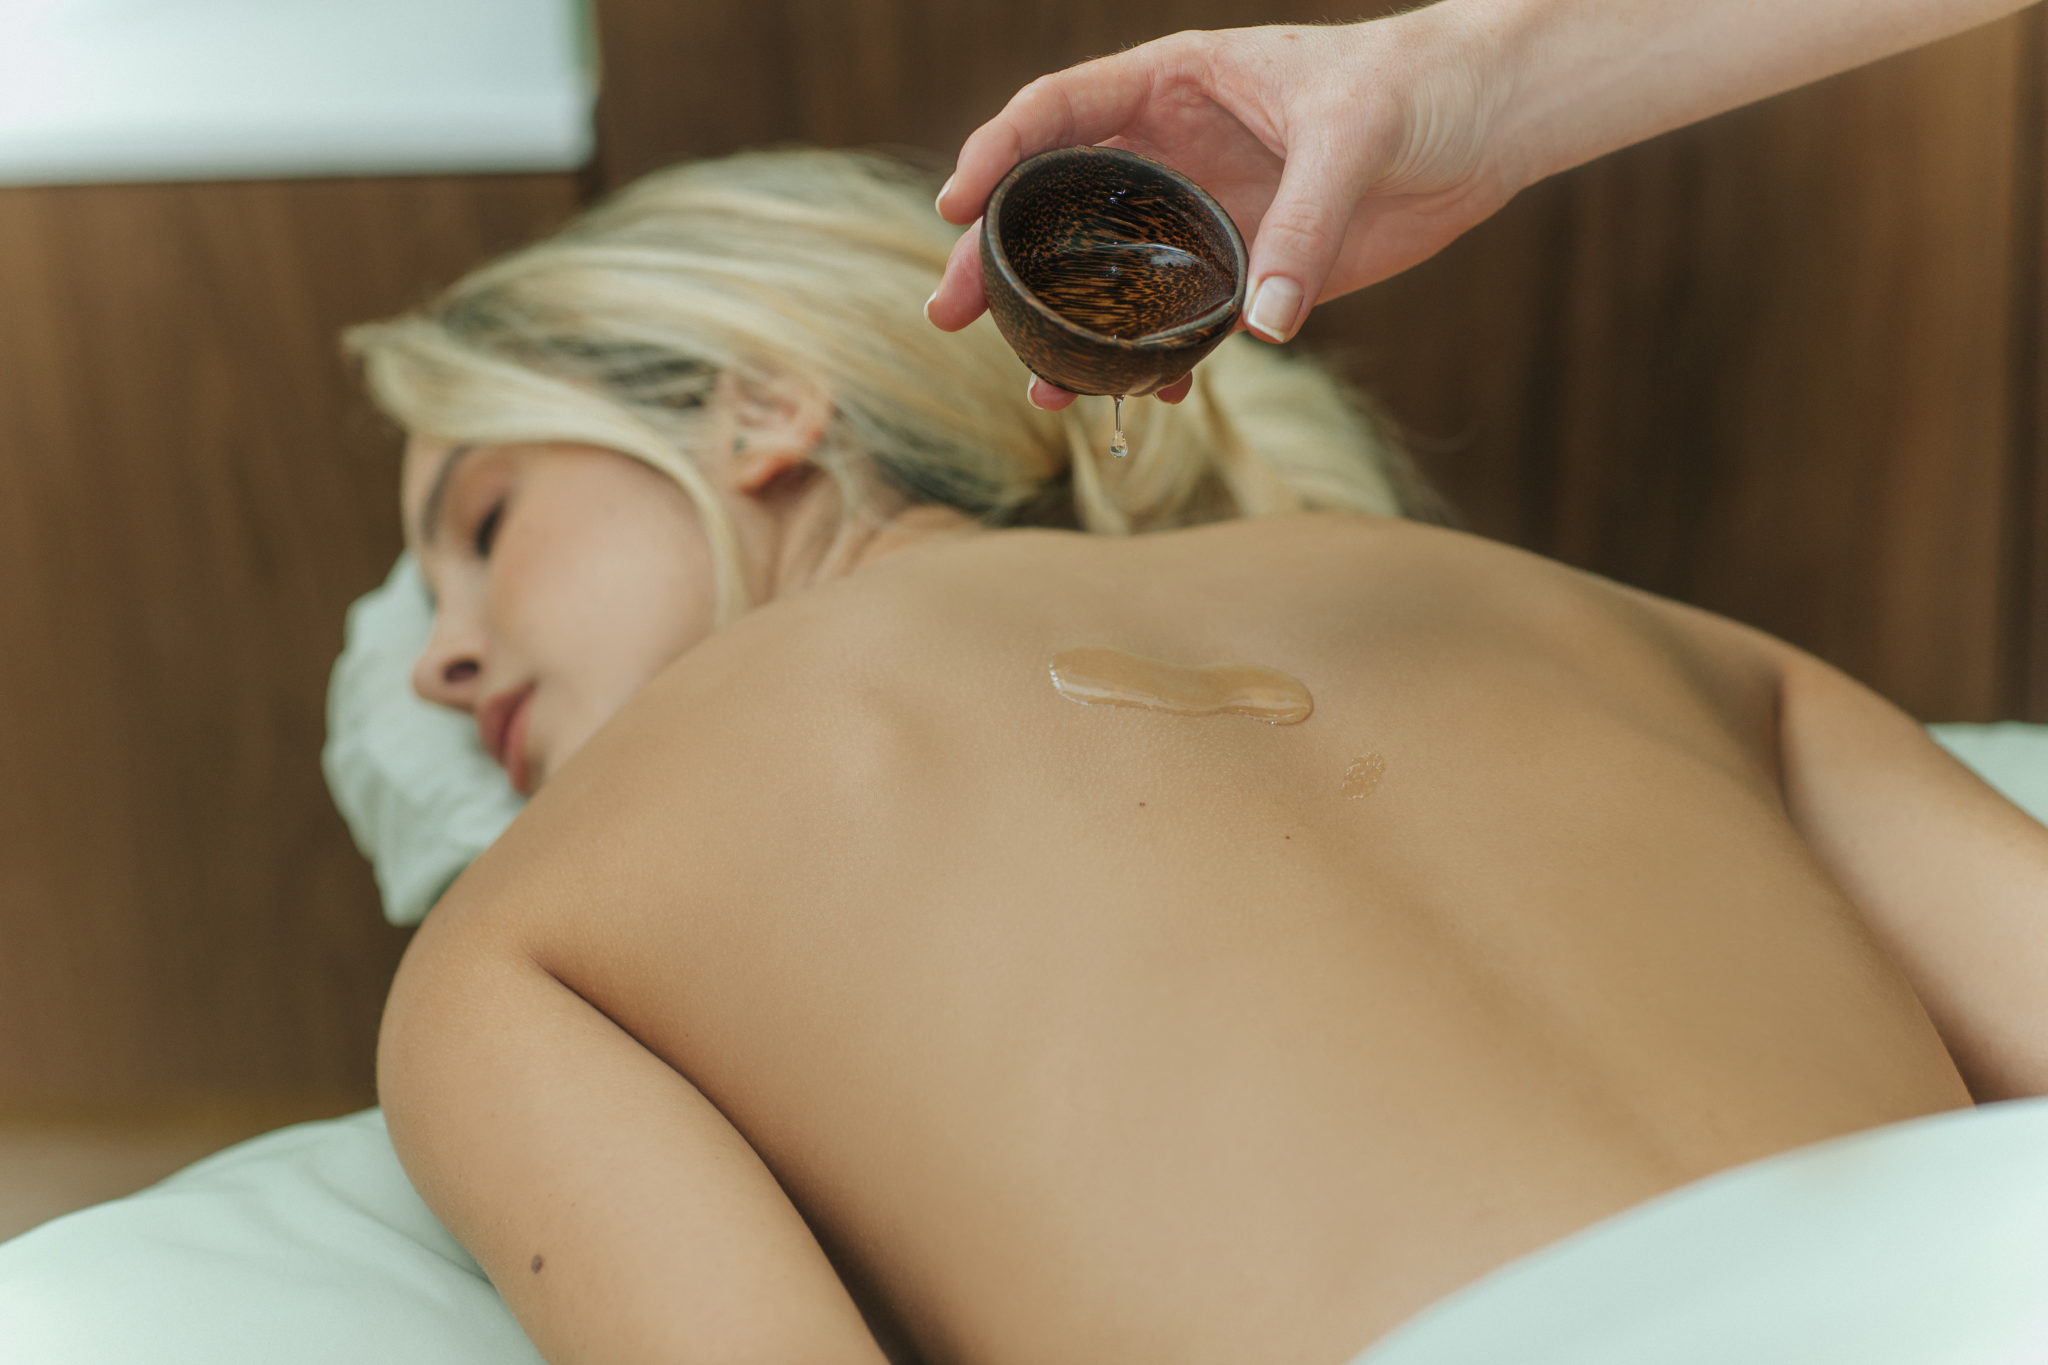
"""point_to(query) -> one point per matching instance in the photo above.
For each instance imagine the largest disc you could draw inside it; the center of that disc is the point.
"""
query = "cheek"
(608, 613)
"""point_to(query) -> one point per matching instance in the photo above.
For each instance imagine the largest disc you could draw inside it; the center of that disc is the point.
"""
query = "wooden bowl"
(1108, 273)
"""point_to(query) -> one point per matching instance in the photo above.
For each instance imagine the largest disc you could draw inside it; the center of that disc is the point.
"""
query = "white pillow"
(415, 785)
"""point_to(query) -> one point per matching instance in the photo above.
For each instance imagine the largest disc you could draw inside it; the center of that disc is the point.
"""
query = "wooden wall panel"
(1764, 364)
(1462, 352)
(191, 492)
(688, 78)
(2027, 617)
(1788, 397)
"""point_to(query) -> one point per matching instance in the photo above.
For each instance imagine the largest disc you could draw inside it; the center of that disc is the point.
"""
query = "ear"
(776, 425)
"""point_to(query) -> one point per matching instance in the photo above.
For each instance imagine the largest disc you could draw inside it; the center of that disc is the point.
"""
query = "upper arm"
(616, 1210)
(1950, 876)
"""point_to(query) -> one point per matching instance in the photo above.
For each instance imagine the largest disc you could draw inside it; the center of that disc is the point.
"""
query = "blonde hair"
(815, 265)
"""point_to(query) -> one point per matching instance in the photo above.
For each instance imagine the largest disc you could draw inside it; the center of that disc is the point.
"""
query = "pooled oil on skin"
(1097, 676)
(1363, 776)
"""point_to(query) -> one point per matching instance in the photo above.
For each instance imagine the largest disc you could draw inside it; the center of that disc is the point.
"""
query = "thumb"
(1297, 244)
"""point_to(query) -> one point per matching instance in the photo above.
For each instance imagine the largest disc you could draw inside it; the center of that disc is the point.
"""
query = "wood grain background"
(191, 492)
(1787, 364)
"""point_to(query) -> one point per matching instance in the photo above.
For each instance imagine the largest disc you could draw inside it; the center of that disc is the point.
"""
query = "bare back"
(1085, 1032)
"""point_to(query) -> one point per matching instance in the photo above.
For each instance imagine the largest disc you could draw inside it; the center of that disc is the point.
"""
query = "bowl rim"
(1194, 327)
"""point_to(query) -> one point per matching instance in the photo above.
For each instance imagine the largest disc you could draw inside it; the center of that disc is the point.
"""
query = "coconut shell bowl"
(1108, 273)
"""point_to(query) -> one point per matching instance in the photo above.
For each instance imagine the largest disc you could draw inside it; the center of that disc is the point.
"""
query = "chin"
(541, 763)
(548, 748)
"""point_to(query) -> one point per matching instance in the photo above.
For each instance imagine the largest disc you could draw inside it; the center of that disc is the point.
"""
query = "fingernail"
(942, 195)
(928, 306)
(1274, 303)
(1031, 392)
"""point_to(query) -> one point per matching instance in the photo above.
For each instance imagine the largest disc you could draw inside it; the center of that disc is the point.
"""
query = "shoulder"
(761, 738)
(767, 770)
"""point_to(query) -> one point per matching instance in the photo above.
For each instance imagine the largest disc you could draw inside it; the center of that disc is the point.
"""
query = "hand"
(1356, 151)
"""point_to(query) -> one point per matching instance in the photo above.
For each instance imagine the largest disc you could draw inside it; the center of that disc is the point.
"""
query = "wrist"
(1522, 53)
(1472, 80)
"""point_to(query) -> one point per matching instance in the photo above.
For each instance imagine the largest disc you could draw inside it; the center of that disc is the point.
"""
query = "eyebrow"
(437, 493)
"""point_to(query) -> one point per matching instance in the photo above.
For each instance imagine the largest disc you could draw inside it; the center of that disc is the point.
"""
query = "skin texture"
(851, 969)
(1347, 153)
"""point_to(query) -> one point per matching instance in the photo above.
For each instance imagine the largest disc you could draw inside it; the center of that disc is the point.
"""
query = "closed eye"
(487, 530)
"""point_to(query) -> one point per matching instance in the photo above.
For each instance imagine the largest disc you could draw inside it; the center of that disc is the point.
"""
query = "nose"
(447, 669)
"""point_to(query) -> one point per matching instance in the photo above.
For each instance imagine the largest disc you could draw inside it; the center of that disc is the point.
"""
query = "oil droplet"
(1096, 676)
(1118, 446)
(1363, 775)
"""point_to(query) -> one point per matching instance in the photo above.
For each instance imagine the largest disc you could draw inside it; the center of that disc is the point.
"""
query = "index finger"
(1082, 104)
(959, 299)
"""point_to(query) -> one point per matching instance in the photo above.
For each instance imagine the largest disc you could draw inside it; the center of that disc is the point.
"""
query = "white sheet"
(306, 1246)
(1921, 1243)
(1924, 1243)
(2011, 756)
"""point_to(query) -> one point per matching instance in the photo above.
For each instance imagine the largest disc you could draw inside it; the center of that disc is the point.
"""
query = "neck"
(816, 541)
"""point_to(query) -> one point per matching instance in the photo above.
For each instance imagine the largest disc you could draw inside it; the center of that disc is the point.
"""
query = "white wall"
(107, 90)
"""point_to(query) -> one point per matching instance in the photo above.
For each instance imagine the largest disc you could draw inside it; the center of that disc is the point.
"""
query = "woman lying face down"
(849, 980)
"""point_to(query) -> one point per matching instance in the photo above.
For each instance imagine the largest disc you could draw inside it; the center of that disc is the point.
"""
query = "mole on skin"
(1096, 676)
(536, 1263)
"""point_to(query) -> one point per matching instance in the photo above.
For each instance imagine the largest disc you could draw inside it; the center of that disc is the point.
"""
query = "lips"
(501, 726)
